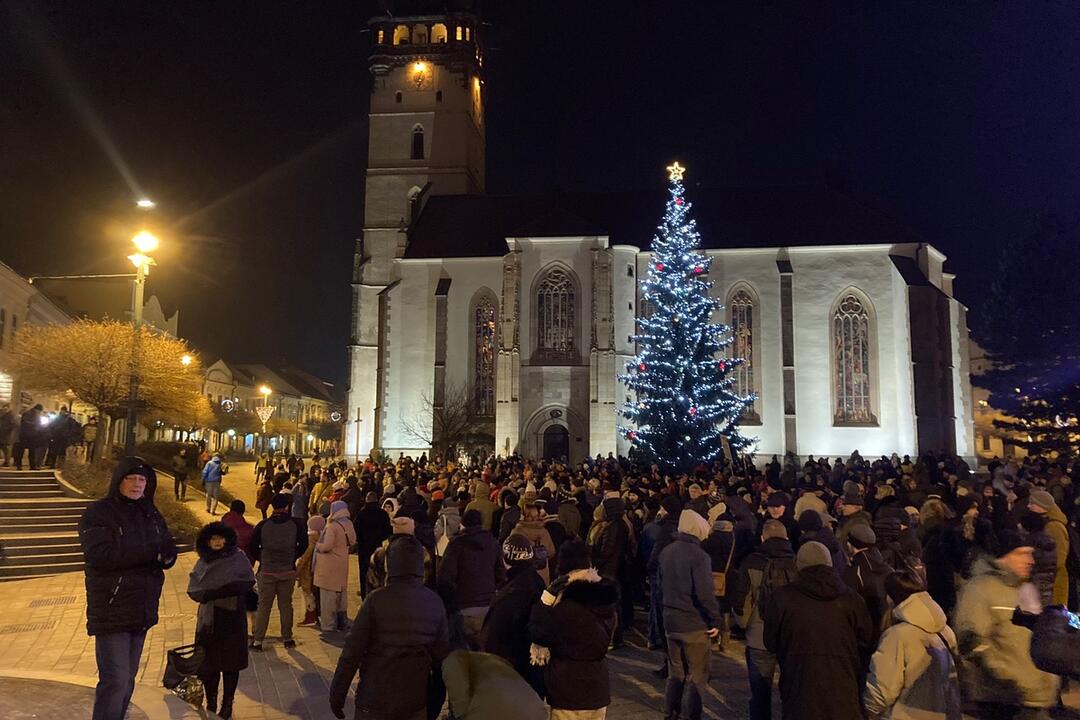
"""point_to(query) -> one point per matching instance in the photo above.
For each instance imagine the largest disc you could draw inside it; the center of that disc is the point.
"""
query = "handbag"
(181, 663)
(1055, 642)
(719, 578)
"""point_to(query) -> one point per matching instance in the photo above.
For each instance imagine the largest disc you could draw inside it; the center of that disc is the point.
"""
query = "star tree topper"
(675, 172)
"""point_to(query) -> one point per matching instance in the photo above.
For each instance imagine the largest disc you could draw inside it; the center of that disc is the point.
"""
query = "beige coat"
(332, 552)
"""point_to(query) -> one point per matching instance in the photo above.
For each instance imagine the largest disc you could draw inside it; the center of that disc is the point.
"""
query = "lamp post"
(145, 242)
(265, 410)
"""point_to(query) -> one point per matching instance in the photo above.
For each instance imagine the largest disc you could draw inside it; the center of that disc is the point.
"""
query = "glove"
(339, 713)
(558, 584)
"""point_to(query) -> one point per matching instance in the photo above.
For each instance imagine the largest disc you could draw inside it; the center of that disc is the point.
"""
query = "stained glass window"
(555, 317)
(484, 360)
(851, 353)
(742, 345)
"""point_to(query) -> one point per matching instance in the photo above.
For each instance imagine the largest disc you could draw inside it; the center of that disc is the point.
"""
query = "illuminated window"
(401, 35)
(852, 372)
(484, 356)
(382, 37)
(459, 33)
(438, 33)
(417, 143)
(741, 308)
(420, 35)
(555, 317)
(468, 34)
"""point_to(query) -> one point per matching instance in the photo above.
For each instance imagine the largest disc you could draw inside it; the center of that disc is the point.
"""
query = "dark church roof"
(478, 225)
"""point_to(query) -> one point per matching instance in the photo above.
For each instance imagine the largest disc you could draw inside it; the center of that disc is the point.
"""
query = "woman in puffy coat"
(220, 580)
(332, 567)
(913, 673)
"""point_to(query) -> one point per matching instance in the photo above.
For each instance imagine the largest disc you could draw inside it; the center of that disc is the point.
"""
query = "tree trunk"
(104, 436)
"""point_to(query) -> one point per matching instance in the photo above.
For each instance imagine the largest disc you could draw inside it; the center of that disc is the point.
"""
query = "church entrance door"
(556, 443)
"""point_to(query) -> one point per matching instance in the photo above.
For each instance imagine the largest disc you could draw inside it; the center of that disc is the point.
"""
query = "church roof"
(478, 225)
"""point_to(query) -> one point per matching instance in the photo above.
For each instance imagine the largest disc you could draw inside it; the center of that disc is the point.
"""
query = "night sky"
(246, 122)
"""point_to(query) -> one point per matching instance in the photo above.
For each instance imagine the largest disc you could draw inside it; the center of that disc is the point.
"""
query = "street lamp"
(185, 360)
(145, 203)
(146, 243)
(265, 410)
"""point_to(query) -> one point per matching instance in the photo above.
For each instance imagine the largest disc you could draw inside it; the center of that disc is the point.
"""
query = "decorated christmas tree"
(685, 402)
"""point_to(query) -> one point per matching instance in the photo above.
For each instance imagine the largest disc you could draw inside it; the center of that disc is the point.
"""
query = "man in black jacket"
(127, 547)
(372, 526)
(820, 632)
(277, 543)
(397, 644)
(468, 576)
(505, 632)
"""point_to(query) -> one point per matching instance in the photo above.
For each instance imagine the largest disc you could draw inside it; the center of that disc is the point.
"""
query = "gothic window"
(555, 321)
(401, 35)
(438, 33)
(852, 341)
(741, 307)
(484, 357)
(417, 143)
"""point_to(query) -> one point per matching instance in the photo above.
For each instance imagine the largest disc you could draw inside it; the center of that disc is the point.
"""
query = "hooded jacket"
(471, 570)
(332, 552)
(913, 675)
(127, 547)
(746, 593)
(610, 547)
(576, 629)
(483, 504)
(820, 632)
(480, 686)
(211, 472)
(505, 632)
(1057, 529)
(399, 638)
(218, 582)
(685, 576)
(1000, 669)
(372, 526)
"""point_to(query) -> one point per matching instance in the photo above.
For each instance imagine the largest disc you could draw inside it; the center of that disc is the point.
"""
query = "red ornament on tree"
(659, 266)
(641, 366)
(698, 269)
(631, 435)
(693, 410)
(679, 201)
(722, 366)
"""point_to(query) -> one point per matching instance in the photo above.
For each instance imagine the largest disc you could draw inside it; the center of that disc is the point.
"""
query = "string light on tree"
(686, 401)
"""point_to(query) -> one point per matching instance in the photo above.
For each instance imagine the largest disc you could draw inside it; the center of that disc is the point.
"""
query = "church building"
(523, 307)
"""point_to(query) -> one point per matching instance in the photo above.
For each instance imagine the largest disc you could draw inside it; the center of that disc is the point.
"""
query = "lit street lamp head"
(145, 203)
(185, 359)
(265, 389)
(146, 242)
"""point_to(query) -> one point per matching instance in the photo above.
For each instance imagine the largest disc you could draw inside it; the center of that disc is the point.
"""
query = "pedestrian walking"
(1042, 503)
(90, 435)
(397, 644)
(277, 543)
(219, 582)
(181, 466)
(127, 547)
(332, 567)
(212, 474)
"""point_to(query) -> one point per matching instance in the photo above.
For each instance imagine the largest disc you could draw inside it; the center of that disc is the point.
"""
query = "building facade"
(526, 306)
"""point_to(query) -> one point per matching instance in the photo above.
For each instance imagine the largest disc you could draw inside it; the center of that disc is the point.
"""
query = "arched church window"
(852, 370)
(555, 321)
(420, 35)
(401, 35)
(741, 307)
(438, 33)
(417, 143)
(484, 356)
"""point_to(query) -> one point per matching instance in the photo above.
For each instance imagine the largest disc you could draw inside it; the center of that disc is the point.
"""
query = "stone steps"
(38, 525)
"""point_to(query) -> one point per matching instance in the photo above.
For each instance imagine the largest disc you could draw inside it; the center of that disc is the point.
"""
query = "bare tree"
(452, 423)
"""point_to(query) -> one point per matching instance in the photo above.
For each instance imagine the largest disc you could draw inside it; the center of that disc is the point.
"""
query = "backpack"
(773, 575)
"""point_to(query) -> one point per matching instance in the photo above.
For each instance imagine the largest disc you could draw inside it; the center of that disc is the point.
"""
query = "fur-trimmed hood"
(202, 541)
(600, 597)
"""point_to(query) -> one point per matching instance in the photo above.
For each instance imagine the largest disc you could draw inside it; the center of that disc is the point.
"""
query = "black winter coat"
(471, 570)
(609, 552)
(127, 547)
(577, 630)
(866, 576)
(398, 640)
(821, 633)
(226, 640)
(372, 526)
(506, 627)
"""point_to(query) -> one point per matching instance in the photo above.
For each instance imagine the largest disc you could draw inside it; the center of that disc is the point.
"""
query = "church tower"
(426, 137)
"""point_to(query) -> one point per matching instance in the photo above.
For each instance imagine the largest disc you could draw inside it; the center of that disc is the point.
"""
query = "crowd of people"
(884, 588)
(41, 438)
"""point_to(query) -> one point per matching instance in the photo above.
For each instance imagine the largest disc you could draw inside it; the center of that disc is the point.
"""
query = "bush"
(94, 480)
(159, 453)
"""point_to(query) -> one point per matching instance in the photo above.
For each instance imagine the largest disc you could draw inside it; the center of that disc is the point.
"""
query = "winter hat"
(281, 501)
(316, 523)
(573, 555)
(339, 505)
(773, 529)
(695, 484)
(472, 518)
(853, 499)
(812, 553)
(517, 549)
(438, 495)
(1042, 499)
(371, 498)
(778, 499)
(965, 503)
(716, 511)
(852, 488)
(862, 536)
(1010, 540)
(530, 489)
(693, 524)
(937, 491)
(810, 521)
(403, 526)
(672, 505)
